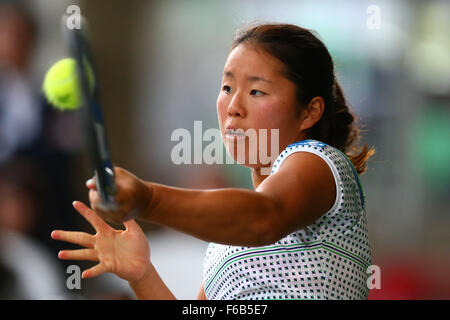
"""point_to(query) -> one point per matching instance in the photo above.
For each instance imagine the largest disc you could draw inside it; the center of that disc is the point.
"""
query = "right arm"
(201, 293)
(151, 286)
(125, 253)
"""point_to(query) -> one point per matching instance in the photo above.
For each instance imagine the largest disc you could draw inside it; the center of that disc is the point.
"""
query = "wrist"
(150, 204)
(150, 286)
(147, 274)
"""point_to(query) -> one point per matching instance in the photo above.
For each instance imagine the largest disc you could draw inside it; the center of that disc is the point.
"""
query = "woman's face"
(255, 95)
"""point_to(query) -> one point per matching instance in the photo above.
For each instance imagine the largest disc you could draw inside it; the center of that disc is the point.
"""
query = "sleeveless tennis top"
(328, 259)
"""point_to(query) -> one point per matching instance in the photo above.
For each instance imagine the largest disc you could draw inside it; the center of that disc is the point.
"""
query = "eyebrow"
(229, 74)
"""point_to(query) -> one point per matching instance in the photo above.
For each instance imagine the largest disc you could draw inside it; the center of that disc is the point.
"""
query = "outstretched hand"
(125, 253)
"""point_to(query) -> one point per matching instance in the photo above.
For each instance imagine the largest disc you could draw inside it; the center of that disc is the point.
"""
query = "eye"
(256, 93)
(227, 89)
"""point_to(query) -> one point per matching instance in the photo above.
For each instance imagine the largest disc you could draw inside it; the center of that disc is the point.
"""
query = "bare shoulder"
(305, 165)
(304, 186)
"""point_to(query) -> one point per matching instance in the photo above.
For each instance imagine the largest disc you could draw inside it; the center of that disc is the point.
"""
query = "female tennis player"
(302, 233)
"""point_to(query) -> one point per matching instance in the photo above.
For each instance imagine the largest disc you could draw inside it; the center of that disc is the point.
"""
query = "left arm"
(305, 188)
(299, 193)
(230, 216)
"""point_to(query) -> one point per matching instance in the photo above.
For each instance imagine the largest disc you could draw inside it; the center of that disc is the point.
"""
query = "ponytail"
(345, 132)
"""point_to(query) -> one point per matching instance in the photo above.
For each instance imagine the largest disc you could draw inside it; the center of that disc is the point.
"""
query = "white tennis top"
(326, 260)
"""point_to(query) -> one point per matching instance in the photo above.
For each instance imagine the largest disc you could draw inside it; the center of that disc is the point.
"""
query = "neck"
(257, 177)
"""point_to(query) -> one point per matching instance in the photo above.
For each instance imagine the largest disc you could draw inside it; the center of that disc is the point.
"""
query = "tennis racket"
(91, 114)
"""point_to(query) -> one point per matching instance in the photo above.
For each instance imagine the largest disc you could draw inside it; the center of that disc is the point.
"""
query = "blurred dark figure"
(8, 289)
(39, 149)
(24, 196)
(41, 172)
(28, 270)
(30, 127)
(20, 112)
(18, 33)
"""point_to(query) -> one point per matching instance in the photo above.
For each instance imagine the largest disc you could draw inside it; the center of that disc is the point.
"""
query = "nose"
(236, 107)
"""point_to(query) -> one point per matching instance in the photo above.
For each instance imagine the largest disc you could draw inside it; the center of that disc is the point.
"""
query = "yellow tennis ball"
(61, 86)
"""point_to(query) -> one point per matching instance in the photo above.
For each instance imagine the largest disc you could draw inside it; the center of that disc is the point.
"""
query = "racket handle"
(106, 187)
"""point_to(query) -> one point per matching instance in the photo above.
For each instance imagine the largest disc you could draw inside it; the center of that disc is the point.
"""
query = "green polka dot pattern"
(326, 260)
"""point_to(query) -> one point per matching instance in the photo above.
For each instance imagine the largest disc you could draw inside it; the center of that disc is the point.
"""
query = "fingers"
(80, 254)
(94, 197)
(90, 216)
(92, 183)
(81, 238)
(95, 271)
(118, 170)
(131, 224)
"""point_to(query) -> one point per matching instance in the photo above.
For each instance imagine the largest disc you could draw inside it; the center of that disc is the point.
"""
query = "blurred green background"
(160, 66)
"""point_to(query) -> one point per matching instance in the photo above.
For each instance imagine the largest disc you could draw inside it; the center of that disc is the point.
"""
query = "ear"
(312, 114)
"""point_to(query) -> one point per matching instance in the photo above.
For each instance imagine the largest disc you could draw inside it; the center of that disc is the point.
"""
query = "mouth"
(233, 134)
